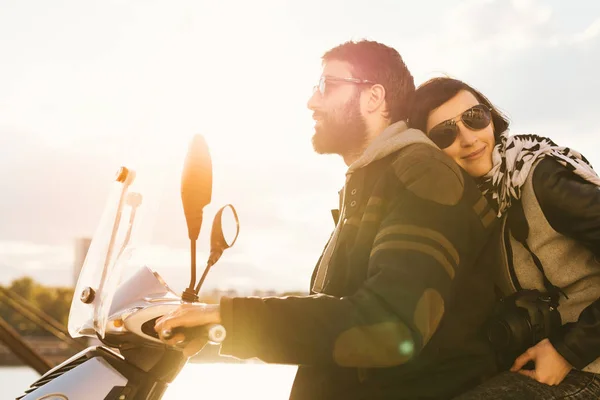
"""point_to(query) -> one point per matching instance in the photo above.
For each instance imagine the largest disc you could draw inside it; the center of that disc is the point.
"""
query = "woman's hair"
(435, 92)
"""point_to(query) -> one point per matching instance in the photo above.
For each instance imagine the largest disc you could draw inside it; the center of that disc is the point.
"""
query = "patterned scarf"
(514, 156)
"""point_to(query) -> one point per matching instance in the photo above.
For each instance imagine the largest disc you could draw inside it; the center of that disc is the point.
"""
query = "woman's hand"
(550, 367)
(188, 315)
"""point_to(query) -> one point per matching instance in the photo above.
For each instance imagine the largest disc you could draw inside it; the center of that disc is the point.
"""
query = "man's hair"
(436, 91)
(381, 64)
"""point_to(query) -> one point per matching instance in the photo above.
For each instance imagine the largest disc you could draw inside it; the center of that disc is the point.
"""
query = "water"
(215, 381)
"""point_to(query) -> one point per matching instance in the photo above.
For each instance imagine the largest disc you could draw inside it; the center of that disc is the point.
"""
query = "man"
(398, 296)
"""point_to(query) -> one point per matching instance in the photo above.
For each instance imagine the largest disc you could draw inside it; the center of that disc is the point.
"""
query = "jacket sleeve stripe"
(419, 247)
(479, 207)
(485, 212)
(488, 218)
(421, 232)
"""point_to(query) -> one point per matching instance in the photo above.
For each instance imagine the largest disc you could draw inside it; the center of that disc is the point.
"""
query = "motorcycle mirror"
(196, 193)
(196, 184)
(221, 239)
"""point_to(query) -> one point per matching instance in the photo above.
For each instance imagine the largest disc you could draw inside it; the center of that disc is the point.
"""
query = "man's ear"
(376, 99)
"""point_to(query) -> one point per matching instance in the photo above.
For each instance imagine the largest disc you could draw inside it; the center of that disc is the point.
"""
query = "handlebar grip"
(214, 333)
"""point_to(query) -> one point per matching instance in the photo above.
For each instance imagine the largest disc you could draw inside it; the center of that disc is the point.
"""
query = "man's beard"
(343, 131)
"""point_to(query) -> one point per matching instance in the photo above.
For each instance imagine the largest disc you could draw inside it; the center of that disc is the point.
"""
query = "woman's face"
(472, 149)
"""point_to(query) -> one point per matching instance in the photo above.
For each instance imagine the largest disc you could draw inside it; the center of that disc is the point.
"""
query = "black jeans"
(577, 385)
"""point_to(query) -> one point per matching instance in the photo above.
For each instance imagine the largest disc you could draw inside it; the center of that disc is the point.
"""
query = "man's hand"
(188, 315)
(550, 367)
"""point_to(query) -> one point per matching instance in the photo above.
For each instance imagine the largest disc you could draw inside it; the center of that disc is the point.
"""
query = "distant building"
(82, 246)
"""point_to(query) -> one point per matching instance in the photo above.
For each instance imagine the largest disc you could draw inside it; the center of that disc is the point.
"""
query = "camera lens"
(499, 334)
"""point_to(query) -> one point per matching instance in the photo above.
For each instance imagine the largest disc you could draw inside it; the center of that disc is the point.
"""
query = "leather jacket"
(571, 206)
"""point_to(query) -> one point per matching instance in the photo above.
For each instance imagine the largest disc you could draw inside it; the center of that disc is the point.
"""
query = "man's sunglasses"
(475, 118)
(326, 79)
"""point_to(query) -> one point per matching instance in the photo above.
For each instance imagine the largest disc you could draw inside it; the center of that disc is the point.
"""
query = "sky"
(86, 85)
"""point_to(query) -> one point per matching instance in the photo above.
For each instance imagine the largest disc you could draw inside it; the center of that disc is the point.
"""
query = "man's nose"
(314, 101)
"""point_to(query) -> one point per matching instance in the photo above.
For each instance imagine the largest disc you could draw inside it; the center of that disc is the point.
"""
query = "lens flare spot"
(407, 348)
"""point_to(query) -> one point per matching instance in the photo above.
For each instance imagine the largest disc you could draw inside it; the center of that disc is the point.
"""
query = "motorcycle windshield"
(126, 223)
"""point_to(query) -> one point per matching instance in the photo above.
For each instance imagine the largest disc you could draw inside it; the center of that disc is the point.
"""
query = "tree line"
(56, 302)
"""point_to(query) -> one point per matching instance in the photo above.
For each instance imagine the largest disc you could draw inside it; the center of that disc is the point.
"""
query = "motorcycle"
(132, 362)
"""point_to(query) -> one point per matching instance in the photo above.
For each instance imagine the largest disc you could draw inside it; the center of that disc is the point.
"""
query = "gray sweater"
(563, 214)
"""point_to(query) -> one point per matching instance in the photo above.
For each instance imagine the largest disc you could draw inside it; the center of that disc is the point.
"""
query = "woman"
(548, 200)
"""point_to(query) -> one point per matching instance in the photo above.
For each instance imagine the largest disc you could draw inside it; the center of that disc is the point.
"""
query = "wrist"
(559, 344)
(214, 313)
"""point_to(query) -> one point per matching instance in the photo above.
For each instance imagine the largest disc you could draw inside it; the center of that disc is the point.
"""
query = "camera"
(521, 320)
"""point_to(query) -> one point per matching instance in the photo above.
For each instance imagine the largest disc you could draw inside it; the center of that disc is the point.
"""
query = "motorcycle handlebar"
(214, 333)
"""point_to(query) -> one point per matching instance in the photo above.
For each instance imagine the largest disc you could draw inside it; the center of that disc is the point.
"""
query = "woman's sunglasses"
(475, 118)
